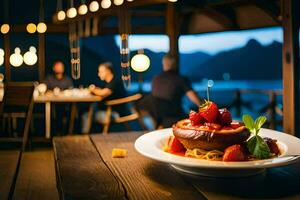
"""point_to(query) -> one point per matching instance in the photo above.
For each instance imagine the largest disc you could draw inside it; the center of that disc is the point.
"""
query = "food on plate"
(118, 153)
(211, 134)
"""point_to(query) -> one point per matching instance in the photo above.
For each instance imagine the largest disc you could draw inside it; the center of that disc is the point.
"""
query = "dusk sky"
(210, 43)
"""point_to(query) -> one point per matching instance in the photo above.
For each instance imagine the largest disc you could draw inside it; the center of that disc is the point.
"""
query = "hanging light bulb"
(94, 6)
(140, 62)
(41, 27)
(1, 56)
(16, 59)
(71, 12)
(118, 2)
(83, 9)
(61, 15)
(30, 57)
(130, 0)
(172, 0)
(105, 4)
(5, 28)
(31, 28)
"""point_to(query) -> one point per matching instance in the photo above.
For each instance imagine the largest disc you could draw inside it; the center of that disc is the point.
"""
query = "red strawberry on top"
(234, 153)
(224, 117)
(235, 124)
(209, 111)
(195, 118)
(174, 146)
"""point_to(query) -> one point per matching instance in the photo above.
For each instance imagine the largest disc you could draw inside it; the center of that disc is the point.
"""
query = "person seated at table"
(113, 89)
(164, 103)
(58, 79)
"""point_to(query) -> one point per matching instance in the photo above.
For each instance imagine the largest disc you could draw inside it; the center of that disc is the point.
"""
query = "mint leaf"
(249, 122)
(258, 147)
(259, 122)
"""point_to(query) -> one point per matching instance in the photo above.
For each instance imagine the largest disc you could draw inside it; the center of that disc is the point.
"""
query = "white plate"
(151, 145)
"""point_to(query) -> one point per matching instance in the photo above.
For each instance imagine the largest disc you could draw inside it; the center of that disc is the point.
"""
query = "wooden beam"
(270, 8)
(290, 66)
(41, 57)
(152, 13)
(6, 39)
(172, 30)
(51, 28)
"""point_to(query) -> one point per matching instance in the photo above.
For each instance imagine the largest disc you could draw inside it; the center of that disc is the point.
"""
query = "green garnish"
(256, 145)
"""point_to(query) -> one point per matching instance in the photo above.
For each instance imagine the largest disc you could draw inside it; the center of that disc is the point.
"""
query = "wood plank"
(8, 166)
(142, 178)
(36, 178)
(81, 173)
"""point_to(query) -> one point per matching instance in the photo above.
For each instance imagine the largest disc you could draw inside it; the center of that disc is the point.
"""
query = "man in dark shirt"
(58, 79)
(113, 89)
(63, 82)
(168, 89)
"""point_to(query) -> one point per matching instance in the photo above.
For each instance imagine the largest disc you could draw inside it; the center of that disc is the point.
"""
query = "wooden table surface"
(86, 170)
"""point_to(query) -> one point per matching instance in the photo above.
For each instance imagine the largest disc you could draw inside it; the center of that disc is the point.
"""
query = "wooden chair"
(135, 115)
(18, 101)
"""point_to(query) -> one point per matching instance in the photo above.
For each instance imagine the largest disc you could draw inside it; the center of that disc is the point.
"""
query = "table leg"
(72, 118)
(90, 118)
(48, 119)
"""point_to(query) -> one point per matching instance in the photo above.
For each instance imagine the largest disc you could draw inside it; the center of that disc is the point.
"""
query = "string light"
(41, 27)
(16, 59)
(140, 62)
(5, 28)
(83, 9)
(1, 56)
(172, 0)
(94, 6)
(30, 57)
(31, 28)
(71, 12)
(61, 15)
(118, 2)
(105, 4)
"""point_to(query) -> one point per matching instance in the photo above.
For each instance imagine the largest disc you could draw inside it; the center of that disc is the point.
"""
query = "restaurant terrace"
(85, 116)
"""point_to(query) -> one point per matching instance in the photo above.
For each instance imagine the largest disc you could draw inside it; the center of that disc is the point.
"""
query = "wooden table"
(86, 170)
(48, 99)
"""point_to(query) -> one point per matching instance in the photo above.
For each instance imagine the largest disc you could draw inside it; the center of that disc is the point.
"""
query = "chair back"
(17, 96)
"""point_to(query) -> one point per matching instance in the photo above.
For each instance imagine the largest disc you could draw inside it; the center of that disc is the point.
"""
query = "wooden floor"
(27, 175)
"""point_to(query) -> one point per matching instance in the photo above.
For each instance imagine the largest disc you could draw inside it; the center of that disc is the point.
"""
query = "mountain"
(253, 61)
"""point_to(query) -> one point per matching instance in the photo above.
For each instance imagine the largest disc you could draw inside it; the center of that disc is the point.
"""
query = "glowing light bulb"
(30, 57)
(94, 6)
(16, 59)
(61, 15)
(71, 12)
(31, 28)
(5, 28)
(140, 62)
(1, 56)
(172, 0)
(118, 2)
(105, 4)
(83, 9)
(41, 27)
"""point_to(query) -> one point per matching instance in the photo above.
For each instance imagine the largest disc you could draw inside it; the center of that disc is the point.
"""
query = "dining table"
(72, 96)
(86, 169)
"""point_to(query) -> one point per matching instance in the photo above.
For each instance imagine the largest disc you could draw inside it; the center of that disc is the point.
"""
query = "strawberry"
(235, 124)
(234, 153)
(224, 117)
(213, 126)
(174, 145)
(209, 111)
(195, 118)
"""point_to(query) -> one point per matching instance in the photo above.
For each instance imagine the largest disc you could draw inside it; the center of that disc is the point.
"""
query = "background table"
(86, 170)
(49, 98)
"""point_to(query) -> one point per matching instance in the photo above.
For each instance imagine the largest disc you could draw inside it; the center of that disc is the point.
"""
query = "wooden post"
(41, 57)
(290, 66)
(172, 30)
(6, 57)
